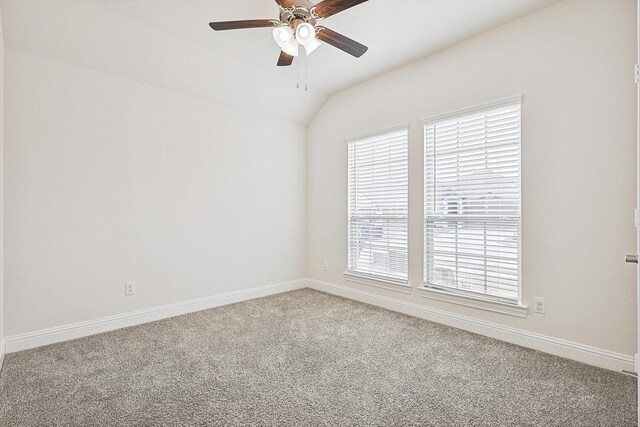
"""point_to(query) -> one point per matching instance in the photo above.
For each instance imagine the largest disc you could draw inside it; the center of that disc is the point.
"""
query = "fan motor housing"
(299, 15)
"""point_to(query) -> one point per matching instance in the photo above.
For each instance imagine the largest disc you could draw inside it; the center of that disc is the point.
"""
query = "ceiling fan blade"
(238, 25)
(326, 8)
(285, 59)
(285, 4)
(343, 43)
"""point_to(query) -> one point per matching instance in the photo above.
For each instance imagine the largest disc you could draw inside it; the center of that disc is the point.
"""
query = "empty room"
(319, 213)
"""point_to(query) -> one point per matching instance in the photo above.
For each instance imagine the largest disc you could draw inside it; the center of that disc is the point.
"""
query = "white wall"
(109, 180)
(573, 62)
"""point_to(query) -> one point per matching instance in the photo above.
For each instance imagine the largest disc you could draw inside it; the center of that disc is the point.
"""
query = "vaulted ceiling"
(168, 43)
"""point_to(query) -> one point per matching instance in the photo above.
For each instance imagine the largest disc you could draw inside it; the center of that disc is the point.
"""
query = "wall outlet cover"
(539, 305)
(129, 288)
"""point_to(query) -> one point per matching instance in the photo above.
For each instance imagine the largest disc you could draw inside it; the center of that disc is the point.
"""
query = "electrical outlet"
(129, 288)
(539, 305)
(325, 265)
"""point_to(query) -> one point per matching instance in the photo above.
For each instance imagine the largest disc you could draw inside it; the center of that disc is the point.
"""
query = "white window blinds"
(472, 203)
(378, 206)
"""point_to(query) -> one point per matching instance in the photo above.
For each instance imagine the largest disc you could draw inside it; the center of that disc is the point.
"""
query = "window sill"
(511, 309)
(379, 283)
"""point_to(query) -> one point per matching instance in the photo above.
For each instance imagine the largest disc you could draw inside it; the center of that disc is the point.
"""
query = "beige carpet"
(305, 358)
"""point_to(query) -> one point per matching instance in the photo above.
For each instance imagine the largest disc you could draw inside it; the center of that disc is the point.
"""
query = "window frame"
(475, 299)
(361, 277)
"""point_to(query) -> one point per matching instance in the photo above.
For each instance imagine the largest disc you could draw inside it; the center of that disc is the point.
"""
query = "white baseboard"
(42, 337)
(556, 346)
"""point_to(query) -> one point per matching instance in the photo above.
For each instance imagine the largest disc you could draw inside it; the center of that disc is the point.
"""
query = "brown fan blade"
(285, 59)
(344, 43)
(238, 25)
(285, 4)
(326, 8)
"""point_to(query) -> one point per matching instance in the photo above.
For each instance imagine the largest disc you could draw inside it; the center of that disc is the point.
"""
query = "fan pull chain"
(306, 74)
(298, 74)
(302, 62)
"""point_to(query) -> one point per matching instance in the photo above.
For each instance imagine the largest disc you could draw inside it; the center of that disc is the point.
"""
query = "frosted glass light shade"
(283, 36)
(312, 46)
(305, 33)
(291, 48)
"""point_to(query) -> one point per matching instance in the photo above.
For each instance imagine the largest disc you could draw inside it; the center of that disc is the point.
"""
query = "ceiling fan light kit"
(305, 33)
(297, 26)
(312, 46)
(285, 40)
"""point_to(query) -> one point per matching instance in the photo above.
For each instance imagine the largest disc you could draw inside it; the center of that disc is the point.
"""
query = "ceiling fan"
(298, 26)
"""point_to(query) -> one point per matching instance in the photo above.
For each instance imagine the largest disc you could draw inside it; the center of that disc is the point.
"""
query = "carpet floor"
(305, 358)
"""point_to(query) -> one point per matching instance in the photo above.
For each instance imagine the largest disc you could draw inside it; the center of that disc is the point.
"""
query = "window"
(378, 206)
(472, 202)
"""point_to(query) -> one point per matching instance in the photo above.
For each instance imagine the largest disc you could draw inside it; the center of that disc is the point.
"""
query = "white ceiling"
(168, 43)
